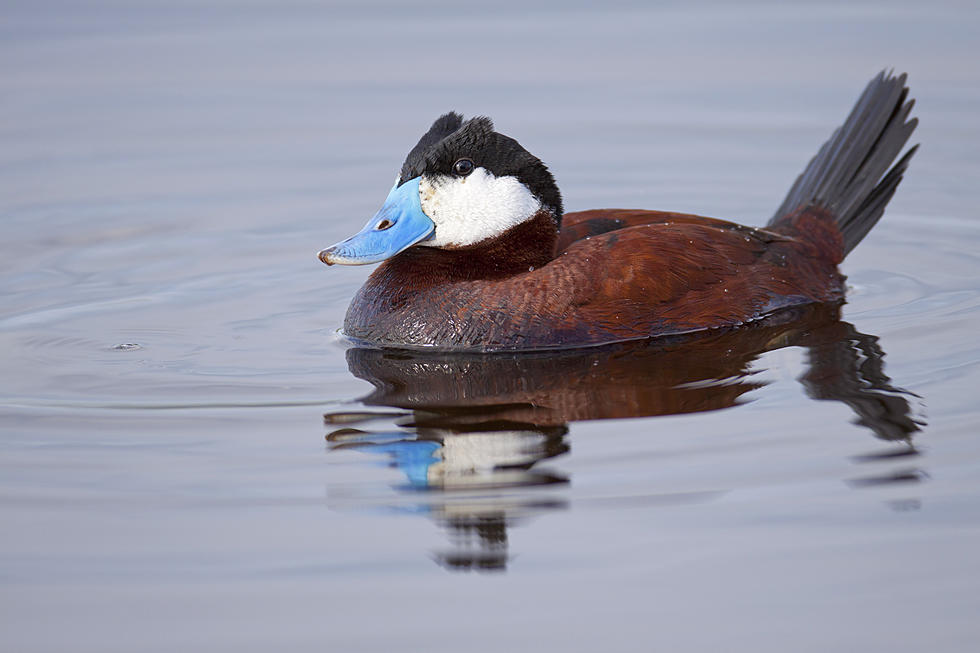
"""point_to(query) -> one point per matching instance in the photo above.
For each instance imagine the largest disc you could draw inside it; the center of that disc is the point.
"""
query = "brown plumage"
(682, 273)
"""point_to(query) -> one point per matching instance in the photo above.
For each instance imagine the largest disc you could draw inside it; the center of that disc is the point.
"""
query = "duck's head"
(462, 185)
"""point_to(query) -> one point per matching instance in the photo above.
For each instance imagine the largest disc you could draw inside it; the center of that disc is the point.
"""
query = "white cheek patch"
(468, 210)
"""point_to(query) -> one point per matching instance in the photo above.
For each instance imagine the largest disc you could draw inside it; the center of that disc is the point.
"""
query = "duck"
(477, 254)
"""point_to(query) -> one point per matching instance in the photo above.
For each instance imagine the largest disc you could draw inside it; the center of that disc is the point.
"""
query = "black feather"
(449, 139)
(443, 126)
(848, 175)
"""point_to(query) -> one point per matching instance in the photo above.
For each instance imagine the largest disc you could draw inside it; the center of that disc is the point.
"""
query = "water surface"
(169, 347)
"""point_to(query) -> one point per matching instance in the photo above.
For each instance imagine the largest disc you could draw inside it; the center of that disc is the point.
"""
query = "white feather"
(468, 210)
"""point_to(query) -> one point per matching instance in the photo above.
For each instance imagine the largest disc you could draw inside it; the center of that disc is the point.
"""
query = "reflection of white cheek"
(472, 209)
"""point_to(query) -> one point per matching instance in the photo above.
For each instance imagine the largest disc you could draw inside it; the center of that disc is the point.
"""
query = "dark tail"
(847, 176)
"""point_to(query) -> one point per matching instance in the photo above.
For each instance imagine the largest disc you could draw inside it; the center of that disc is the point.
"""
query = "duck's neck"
(529, 245)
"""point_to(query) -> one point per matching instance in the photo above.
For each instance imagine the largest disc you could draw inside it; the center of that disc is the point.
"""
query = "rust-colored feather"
(619, 275)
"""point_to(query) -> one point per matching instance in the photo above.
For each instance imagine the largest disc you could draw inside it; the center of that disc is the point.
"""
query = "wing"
(586, 224)
(674, 274)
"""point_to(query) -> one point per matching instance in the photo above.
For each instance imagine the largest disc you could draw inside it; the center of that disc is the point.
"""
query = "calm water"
(168, 482)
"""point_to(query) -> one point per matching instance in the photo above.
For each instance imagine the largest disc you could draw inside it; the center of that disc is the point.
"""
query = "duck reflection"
(480, 470)
(476, 428)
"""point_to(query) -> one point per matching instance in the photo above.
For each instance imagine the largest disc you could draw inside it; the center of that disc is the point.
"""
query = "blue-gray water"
(168, 171)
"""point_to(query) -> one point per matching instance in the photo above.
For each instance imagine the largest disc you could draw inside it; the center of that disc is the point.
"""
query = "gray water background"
(168, 171)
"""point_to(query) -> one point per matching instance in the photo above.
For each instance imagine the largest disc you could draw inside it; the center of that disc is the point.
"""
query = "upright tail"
(848, 175)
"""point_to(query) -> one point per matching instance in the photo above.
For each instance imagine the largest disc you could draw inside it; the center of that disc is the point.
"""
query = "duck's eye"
(463, 167)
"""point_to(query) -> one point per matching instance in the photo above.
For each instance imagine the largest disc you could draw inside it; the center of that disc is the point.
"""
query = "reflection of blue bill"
(413, 457)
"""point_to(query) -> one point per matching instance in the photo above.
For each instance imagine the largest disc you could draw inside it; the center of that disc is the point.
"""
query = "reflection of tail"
(845, 177)
(848, 366)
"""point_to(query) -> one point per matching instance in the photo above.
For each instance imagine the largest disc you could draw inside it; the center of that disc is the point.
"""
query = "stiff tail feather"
(850, 177)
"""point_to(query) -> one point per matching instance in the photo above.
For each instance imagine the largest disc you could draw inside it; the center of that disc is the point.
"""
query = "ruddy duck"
(477, 254)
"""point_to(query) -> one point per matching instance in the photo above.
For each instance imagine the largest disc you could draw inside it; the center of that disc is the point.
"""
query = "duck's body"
(533, 278)
(703, 274)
